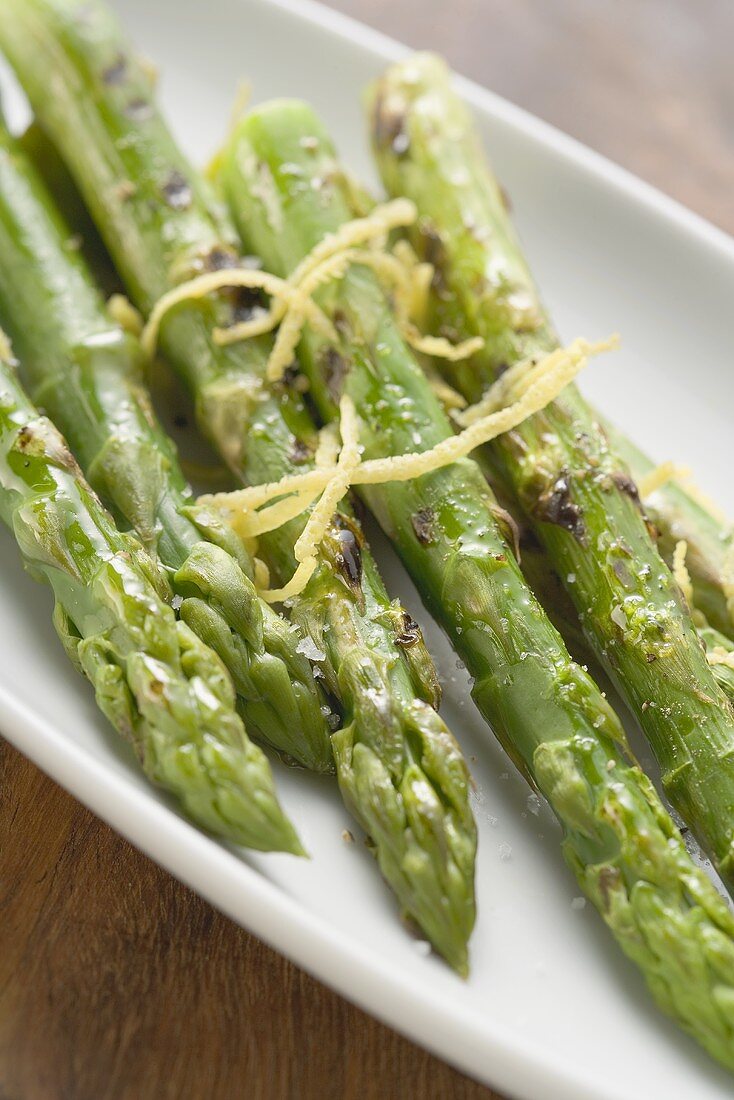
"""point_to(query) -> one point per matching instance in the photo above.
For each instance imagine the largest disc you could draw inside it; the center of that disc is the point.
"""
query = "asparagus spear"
(85, 372)
(399, 769)
(676, 511)
(677, 514)
(49, 166)
(158, 684)
(575, 490)
(284, 186)
(556, 602)
(561, 612)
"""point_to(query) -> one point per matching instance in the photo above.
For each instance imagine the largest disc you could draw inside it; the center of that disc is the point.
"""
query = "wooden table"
(117, 982)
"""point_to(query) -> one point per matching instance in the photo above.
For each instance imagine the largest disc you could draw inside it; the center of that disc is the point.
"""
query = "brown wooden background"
(105, 990)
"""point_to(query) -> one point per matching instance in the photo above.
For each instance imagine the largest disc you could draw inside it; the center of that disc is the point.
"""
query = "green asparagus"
(575, 490)
(85, 372)
(157, 683)
(676, 510)
(399, 769)
(556, 601)
(284, 186)
(561, 612)
(49, 166)
(677, 513)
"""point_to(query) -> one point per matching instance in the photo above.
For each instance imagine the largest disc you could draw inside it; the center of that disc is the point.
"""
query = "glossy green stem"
(562, 613)
(399, 769)
(677, 514)
(546, 583)
(86, 373)
(569, 481)
(285, 188)
(35, 145)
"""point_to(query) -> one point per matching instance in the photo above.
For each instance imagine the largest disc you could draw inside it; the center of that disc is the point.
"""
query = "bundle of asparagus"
(399, 769)
(575, 490)
(157, 683)
(287, 192)
(86, 373)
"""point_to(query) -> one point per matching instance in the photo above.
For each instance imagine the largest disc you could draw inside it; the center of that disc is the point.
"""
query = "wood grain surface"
(116, 981)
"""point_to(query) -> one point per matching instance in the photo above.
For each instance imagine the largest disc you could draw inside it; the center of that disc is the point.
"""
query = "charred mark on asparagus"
(609, 882)
(139, 110)
(434, 253)
(410, 633)
(247, 305)
(125, 190)
(300, 451)
(557, 506)
(117, 71)
(623, 574)
(221, 259)
(423, 522)
(390, 129)
(177, 190)
(341, 323)
(349, 557)
(509, 528)
(41, 438)
(626, 485)
(336, 366)
(292, 377)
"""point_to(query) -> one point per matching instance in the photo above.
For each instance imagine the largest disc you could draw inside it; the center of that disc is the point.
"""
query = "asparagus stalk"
(678, 514)
(158, 684)
(575, 490)
(556, 602)
(85, 372)
(284, 186)
(49, 166)
(675, 513)
(684, 515)
(561, 612)
(399, 769)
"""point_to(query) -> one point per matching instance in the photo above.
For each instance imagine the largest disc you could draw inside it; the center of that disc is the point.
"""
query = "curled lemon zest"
(252, 511)
(679, 570)
(704, 501)
(391, 270)
(261, 573)
(6, 348)
(659, 477)
(720, 656)
(292, 304)
(450, 398)
(202, 285)
(306, 548)
(529, 372)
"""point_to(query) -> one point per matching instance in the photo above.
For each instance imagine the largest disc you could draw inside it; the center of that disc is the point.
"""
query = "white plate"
(552, 1009)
